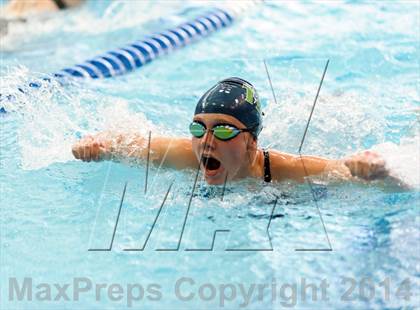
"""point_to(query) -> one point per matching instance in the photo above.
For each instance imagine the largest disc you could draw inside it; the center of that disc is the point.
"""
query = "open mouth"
(212, 169)
(210, 163)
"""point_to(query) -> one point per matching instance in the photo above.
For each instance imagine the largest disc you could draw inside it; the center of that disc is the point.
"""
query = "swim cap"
(236, 97)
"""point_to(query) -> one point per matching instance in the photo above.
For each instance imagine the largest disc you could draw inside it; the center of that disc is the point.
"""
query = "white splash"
(49, 129)
(402, 160)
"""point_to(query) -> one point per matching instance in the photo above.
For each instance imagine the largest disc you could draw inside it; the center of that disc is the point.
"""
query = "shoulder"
(283, 159)
(282, 165)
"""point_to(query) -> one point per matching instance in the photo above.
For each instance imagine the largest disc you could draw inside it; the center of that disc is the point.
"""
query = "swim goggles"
(222, 132)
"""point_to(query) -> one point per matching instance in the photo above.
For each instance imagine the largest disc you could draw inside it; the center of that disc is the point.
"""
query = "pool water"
(55, 211)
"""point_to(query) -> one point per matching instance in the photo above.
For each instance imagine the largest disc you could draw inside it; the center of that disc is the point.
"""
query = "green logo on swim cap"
(252, 97)
(236, 97)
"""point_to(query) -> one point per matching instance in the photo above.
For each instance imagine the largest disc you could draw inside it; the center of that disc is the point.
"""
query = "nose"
(208, 140)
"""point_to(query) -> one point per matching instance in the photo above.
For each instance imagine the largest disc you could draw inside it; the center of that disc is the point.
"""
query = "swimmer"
(224, 130)
(24, 8)
(17, 11)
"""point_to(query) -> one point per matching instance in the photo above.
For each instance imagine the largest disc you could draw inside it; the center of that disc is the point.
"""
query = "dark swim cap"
(235, 97)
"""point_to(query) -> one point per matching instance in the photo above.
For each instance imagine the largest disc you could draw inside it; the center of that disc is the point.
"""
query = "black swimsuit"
(267, 170)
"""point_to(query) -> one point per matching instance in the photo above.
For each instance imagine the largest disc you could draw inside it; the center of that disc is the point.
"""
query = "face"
(230, 158)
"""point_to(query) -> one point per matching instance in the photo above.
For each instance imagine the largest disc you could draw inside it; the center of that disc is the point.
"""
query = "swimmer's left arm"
(366, 165)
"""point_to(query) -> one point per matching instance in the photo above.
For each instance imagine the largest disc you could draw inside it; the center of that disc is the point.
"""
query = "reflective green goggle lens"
(225, 132)
(197, 130)
(221, 132)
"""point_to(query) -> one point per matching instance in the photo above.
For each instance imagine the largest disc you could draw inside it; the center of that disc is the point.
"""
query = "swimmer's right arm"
(174, 152)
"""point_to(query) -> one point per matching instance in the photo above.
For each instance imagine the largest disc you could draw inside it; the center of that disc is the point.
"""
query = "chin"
(215, 177)
(212, 181)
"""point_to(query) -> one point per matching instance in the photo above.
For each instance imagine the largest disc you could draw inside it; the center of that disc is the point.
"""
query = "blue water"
(54, 209)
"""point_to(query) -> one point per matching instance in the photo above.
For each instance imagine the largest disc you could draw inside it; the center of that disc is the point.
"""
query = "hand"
(367, 165)
(90, 148)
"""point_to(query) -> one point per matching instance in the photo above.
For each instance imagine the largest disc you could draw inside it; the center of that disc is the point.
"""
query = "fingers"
(376, 166)
(379, 170)
(86, 152)
(367, 165)
(95, 151)
(87, 149)
(365, 170)
(75, 151)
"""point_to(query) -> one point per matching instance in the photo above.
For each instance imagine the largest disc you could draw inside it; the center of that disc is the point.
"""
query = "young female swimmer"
(225, 129)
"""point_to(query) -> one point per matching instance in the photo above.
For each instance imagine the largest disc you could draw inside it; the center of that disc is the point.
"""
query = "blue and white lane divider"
(141, 52)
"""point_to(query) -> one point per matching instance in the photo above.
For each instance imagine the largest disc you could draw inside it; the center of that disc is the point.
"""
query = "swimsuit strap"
(267, 170)
(60, 4)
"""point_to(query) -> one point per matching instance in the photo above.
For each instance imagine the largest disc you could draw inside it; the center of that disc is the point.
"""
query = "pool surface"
(87, 236)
